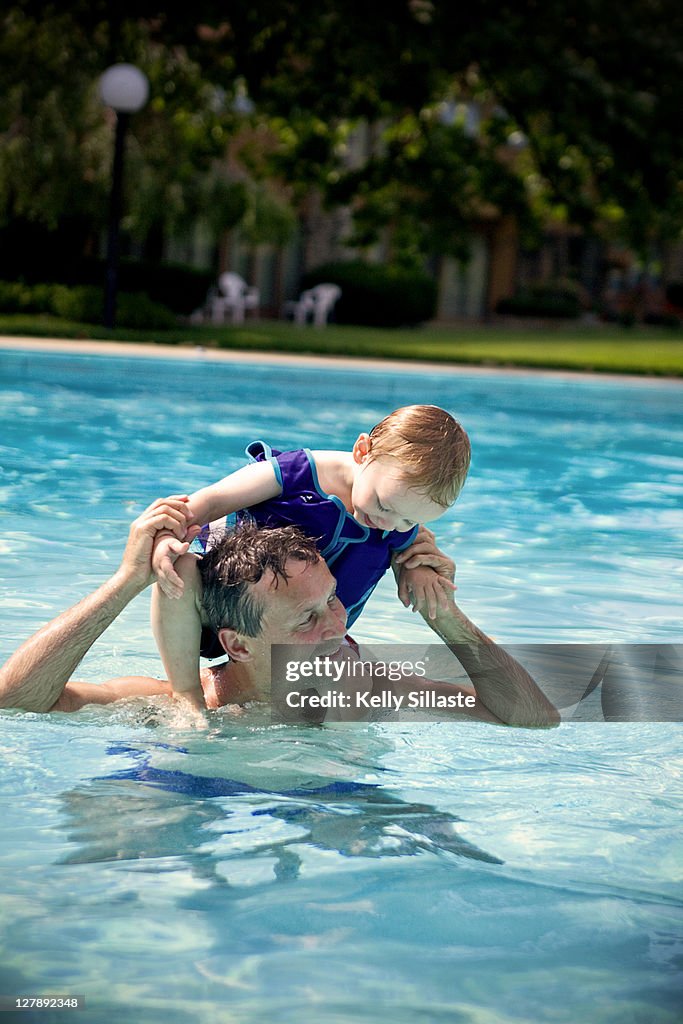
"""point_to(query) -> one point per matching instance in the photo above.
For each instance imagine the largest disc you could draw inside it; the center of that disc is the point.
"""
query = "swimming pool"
(430, 872)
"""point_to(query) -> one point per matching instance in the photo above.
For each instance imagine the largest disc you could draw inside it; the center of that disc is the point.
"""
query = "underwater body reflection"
(219, 817)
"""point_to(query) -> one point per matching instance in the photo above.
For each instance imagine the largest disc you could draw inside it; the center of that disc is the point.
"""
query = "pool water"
(414, 872)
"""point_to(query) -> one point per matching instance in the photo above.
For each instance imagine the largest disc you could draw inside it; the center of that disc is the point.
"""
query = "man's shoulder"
(216, 684)
(74, 696)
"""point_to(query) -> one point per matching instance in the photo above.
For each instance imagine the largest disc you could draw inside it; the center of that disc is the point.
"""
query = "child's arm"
(424, 589)
(247, 486)
(424, 575)
(177, 629)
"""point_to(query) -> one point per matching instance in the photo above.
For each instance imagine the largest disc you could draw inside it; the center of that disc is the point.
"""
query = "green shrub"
(138, 311)
(17, 297)
(662, 320)
(14, 297)
(41, 298)
(84, 304)
(674, 294)
(376, 295)
(179, 287)
(561, 301)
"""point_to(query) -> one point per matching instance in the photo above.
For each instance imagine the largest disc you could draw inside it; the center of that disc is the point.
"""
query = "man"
(279, 591)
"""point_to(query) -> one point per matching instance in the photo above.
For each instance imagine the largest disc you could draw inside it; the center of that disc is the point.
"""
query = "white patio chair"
(234, 296)
(315, 304)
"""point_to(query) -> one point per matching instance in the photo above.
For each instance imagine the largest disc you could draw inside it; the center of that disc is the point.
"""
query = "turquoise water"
(432, 872)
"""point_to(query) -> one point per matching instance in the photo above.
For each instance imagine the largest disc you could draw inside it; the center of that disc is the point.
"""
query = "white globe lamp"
(125, 88)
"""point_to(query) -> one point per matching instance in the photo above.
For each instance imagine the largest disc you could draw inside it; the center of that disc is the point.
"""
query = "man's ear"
(234, 644)
(362, 448)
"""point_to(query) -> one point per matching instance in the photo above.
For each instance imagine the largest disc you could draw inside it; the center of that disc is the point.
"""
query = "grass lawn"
(601, 348)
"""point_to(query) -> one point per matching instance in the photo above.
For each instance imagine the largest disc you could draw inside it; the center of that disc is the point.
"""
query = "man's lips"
(330, 649)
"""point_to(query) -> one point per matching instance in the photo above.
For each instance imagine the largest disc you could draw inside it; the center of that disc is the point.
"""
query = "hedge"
(377, 295)
(542, 300)
(84, 304)
(178, 287)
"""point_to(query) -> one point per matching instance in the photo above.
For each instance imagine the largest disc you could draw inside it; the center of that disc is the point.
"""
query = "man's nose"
(335, 620)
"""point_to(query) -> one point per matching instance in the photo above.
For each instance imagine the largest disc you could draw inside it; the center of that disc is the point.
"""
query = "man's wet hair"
(239, 558)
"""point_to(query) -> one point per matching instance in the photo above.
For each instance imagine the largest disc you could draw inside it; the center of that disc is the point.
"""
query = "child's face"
(383, 499)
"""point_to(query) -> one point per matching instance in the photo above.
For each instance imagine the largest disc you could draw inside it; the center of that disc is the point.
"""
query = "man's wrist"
(128, 584)
(453, 626)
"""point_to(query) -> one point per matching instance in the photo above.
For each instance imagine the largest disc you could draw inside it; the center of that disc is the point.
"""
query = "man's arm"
(76, 695)
(502, 685)
(35, 676)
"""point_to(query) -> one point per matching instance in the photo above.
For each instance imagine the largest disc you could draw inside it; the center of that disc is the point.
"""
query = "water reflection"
(144, 811)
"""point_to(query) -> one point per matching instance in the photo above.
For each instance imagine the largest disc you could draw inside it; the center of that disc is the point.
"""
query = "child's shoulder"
(336, 462)
(335, 471)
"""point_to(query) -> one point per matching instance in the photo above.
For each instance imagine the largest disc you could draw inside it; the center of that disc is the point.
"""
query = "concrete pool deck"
(198, 353)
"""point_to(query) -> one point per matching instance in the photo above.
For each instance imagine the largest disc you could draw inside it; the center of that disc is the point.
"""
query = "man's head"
(266, 586)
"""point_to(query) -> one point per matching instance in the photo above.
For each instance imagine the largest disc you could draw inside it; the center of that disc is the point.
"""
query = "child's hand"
(425, 589)
(424, 551)
(166, 552)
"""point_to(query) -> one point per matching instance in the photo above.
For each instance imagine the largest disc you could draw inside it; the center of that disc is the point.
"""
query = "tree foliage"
(577, 108)
(52, 155)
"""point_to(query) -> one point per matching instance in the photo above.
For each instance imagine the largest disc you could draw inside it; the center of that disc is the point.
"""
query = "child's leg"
(177, 628)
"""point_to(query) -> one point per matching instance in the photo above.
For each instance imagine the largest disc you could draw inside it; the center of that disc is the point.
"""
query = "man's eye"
(381, 507)
(332, 598)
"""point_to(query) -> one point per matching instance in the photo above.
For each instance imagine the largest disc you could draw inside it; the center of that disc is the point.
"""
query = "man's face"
(304, 609)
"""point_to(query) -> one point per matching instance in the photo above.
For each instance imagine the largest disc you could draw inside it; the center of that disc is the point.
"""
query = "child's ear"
(234, 644)
(362, 448)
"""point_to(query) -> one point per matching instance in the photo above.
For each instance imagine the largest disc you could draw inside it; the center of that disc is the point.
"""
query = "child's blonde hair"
(432, 447)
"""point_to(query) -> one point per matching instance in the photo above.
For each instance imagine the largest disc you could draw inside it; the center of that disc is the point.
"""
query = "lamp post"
(124, 88)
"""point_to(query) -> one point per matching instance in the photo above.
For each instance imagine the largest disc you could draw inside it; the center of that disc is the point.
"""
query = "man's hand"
(170, 514)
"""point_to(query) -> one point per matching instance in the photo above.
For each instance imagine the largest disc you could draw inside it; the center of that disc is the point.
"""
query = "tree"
(577, 106)
(56, 138)
(598, 95)
(52, 156)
